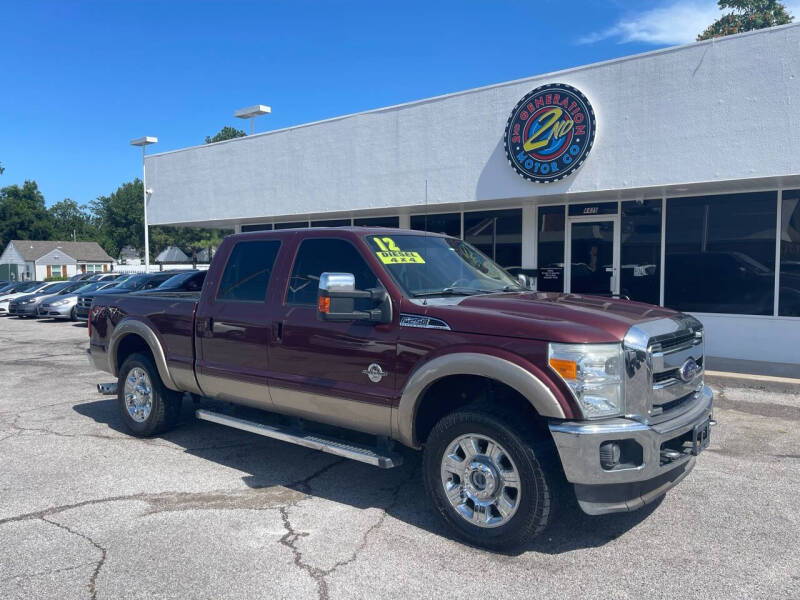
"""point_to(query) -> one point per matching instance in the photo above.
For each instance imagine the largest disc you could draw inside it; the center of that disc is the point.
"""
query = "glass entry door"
(592, 255)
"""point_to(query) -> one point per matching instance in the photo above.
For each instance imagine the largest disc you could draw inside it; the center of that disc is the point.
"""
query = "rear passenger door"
(232, 327)
(318, 369)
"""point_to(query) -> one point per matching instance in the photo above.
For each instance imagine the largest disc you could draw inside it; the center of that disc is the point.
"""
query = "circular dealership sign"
(550, 132)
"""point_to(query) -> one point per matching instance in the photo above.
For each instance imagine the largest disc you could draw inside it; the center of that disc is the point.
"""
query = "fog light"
(609, 455)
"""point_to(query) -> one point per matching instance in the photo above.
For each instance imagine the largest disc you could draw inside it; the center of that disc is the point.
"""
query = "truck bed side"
(161, 324)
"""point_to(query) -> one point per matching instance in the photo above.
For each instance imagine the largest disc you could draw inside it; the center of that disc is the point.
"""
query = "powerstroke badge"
(549, 133)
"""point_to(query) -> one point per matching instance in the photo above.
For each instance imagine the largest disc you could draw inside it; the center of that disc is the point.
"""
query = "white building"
(40, 260)
(689, 196)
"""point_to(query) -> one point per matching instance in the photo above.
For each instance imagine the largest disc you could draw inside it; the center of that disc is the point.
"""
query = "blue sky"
(79, 79)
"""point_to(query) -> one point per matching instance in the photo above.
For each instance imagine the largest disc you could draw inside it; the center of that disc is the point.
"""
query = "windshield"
(425, 265)
(134, 283)
(87, 287)
(184, 280)
(54, 287)
(27, 286)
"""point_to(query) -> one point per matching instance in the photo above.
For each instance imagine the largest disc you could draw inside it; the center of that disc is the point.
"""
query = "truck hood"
(569, 318)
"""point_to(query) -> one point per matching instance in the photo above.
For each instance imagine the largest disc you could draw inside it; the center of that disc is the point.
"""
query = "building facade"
(671, 177)
(41, 260)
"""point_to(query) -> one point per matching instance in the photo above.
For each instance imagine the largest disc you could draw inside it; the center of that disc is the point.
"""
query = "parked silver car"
(63, 305)
(25, 306)
(21, 289)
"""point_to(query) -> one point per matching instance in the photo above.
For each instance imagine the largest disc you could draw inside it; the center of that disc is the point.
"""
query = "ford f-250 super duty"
(420, 339)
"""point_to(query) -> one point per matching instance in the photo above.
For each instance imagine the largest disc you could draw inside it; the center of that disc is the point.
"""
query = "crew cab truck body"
(420, 339)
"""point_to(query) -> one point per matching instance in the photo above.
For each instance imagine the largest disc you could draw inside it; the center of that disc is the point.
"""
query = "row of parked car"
(72, 299)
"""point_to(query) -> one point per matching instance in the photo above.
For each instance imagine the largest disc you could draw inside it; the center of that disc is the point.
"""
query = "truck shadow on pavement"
(399, 491)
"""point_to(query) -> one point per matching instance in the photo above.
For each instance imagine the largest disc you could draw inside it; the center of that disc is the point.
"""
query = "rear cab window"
(247, 272)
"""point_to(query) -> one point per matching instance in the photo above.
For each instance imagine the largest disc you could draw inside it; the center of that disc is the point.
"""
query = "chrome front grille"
(662, 381)
(85, 303)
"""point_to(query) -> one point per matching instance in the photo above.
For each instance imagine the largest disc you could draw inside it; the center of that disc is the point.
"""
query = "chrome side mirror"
(337, 297)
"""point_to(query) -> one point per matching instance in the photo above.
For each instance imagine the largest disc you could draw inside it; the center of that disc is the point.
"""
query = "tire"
(145, 414)
(73, 314)
(516, 450)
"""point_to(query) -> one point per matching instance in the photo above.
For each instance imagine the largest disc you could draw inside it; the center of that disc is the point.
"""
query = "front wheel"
(147, 406)
(491, 482)
(73, 314)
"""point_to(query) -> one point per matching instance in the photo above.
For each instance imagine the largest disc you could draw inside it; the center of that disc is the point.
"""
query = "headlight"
(58, 303)
(594, 374)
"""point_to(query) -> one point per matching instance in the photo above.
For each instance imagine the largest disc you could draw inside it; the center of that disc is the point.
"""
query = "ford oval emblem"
(689, 370)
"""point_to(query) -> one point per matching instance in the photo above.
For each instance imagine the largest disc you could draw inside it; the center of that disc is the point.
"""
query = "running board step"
(364, 454)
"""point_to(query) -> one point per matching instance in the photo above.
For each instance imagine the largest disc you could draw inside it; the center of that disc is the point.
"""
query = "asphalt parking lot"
(208, 512)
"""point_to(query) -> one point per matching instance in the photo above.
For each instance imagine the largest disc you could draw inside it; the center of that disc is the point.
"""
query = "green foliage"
(226, 133)
(23, 214)
(119, 218)
(747, 15)
(72, 222)
(113, 221)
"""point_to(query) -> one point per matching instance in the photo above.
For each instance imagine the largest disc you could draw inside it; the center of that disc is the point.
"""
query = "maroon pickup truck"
(520, 401)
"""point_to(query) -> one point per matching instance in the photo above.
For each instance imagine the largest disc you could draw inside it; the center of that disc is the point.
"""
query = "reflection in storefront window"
(720, 253)
(447, 223)
(550, 249)
(496, 233)
(641, 250)
(789, 297)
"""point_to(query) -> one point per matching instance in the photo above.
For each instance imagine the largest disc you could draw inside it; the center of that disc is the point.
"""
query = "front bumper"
(601, 491)
(55, 312)
(22, 310)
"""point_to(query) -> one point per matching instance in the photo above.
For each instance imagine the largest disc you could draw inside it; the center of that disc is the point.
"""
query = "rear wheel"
(491, 481)
(147, 406)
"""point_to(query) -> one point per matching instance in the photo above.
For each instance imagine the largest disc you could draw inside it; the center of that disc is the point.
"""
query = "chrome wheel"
(138, 394)
(480, 480)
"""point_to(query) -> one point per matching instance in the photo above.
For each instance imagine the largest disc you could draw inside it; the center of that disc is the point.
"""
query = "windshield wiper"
(448, 291)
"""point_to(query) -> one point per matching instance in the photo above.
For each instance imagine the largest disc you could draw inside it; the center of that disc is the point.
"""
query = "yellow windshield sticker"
(390, 253)
(396, 258)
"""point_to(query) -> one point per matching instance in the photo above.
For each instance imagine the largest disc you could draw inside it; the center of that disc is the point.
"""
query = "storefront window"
(377, 222)
(257, 227)
(496, 233)
(550, 249)
(641, 251)
(720, 253)
(331, 223)
(447, 223)
(291, 225)
(789, 296)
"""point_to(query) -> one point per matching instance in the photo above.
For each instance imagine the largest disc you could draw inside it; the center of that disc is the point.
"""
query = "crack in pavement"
(47, 572)
(98, 565)
(319, 576)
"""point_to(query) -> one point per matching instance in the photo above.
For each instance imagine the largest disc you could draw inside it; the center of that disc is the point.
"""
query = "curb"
(768, 383)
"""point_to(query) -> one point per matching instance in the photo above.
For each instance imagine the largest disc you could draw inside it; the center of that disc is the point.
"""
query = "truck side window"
(317, 256)
(247, 272)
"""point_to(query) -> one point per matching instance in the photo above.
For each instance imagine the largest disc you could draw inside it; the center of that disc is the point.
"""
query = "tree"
(119, 218)
(69, 219)
(226, 133)
(746, 15)
(23, 214)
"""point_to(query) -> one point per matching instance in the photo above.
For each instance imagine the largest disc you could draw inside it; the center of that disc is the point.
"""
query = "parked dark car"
(136, 283)
(63, 306)
(186, 281)
(17, 290)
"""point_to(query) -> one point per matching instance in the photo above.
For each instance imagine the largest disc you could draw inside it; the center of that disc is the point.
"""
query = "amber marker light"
(568, 369)
(324, 304)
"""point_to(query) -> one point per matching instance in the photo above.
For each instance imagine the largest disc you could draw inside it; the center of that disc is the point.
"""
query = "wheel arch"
(131, 335)
(473, 364)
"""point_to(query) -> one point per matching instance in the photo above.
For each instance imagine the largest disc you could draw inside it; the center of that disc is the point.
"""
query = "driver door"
(319, 370)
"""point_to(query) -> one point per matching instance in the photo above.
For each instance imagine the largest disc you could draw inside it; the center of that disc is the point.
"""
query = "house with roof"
(38, 259)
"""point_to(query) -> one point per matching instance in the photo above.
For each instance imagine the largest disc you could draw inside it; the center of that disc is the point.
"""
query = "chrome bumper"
(602, 491)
